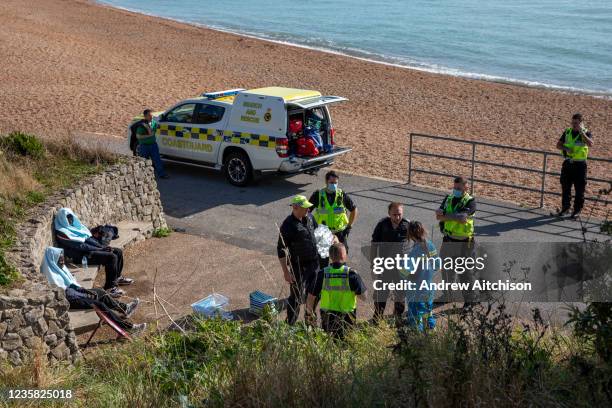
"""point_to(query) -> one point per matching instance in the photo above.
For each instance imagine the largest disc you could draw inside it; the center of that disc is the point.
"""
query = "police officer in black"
(390, 237)
(297, 253)
(574, 145)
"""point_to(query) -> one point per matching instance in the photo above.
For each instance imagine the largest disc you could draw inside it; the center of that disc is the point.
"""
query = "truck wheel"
(238, 169)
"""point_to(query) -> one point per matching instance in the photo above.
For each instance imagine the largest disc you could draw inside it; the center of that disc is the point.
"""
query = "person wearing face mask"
(390, 238)
(334, 208)
(456, 217)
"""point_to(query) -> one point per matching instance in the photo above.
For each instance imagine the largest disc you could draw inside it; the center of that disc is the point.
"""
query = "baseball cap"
(301, 200)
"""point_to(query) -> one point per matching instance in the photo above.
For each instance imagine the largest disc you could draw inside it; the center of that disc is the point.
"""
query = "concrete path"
(201, 202)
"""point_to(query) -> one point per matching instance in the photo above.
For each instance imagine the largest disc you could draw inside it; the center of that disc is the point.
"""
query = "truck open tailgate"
(336, 152)
(300, 164)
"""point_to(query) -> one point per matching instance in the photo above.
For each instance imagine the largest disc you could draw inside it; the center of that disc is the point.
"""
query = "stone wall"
(35, 317)
(37, 312)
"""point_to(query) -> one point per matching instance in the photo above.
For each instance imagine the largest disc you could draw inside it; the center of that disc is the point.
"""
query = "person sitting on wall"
(55, 270)
(78, 242)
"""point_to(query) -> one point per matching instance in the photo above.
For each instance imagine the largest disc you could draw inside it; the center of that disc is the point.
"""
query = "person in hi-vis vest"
(456, 217)
(338, 287)
(334, 208)
(574, 144)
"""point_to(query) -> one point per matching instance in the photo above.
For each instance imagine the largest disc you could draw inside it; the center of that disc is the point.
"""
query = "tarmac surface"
(201, 203)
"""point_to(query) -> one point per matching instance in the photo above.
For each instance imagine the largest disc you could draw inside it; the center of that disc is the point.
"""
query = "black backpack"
(133, 138)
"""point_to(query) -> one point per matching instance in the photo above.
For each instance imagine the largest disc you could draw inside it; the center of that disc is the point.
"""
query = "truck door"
(174, 131)
(208, 124)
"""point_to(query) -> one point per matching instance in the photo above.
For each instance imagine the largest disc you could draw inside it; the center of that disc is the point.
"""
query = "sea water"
(565, 44)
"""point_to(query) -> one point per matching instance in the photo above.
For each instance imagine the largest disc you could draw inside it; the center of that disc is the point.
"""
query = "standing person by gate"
(574, 145)
(456, 217)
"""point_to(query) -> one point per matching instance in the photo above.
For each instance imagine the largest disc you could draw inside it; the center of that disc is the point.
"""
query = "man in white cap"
(297, 253)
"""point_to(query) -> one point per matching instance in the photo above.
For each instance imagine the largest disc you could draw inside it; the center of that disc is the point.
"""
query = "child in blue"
(420, 301)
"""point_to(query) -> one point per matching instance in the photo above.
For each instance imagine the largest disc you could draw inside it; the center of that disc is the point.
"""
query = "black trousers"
(573, 174)
(337, 323)
(106, 303)
(113, 264)
(452, 248)
(304, 274)
(381, 297)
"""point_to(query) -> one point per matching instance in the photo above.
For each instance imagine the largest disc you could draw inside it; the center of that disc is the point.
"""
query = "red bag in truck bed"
(306, 147)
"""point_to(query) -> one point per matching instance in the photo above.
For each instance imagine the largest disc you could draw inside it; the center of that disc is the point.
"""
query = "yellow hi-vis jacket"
(579, 151)
(333, 215)
(336, 293)
(455, 229)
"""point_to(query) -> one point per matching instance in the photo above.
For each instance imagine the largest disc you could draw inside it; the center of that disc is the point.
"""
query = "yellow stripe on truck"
(215, 135)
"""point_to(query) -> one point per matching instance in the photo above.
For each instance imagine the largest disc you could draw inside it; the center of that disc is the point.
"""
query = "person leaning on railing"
(574, 144)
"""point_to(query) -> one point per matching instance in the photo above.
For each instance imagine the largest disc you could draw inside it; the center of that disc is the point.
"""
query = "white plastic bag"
(324, 239)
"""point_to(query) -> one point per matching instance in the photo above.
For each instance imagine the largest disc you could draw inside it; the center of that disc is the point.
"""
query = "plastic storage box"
(211, 305)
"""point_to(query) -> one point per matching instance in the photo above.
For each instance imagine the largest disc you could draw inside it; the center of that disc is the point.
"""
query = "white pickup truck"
(245, 133)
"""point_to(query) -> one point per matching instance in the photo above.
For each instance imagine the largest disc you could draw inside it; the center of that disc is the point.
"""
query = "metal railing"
(543, 172)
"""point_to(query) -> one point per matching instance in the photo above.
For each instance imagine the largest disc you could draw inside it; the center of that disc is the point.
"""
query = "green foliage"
(23, 144)
(479, 358)
(8, 273)
(228, 364)
(594, 326)
(162, 232)
(9, 212)
(65, 163)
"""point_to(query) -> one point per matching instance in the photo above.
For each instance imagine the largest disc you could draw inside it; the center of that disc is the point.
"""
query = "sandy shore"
(72, 65)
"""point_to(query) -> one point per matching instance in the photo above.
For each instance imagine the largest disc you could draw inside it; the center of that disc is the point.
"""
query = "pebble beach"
(75, 66)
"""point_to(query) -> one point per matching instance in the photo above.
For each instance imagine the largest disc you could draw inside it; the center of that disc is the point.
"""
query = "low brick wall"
(38, 313)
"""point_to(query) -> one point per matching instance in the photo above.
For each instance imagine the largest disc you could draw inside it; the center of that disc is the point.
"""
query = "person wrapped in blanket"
(55, 270)
(420, 300)
(78, 241)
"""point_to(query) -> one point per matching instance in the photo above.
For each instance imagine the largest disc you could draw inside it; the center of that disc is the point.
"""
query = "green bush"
(593, 325)
(8, 273)
(30, 180)
(480, 358)
(162, 232)
(23, 144)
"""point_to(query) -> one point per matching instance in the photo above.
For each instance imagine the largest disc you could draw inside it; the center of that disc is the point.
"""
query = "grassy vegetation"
(477, 358)
(162, 232)
(31, 169)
